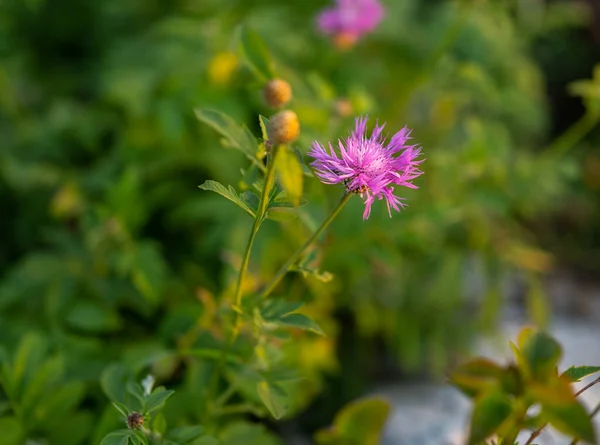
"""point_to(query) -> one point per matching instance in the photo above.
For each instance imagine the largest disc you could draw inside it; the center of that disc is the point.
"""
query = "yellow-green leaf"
(290, 173)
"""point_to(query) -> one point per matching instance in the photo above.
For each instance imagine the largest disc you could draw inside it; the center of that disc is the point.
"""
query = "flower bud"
(277, 93)
(135, 420)
(343, 107)
(283, 127)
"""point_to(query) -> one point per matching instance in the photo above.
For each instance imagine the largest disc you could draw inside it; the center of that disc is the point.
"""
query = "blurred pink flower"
(368, 166)
(349, 20)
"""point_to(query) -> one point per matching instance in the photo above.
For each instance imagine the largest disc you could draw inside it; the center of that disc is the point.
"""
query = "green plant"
(504, 396)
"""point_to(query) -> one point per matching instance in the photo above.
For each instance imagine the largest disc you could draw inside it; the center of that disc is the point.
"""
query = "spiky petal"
(369, 166)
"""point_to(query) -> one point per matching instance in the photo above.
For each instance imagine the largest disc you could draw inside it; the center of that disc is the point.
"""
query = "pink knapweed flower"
(349, 20)
(368, 165)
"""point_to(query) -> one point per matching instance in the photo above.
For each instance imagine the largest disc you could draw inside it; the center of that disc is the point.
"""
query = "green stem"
(286, 267)
(574, 134)
(260, 216)
(258, 219)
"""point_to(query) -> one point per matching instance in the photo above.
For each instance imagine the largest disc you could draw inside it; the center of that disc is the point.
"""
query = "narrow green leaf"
(576, 373)
(237, 136)
(290, 173)
(264, 124)
(255, 54)
(301, 321)
(28, 358)
(274, 397)
(228, 193)
(490, 411)
(157, 399)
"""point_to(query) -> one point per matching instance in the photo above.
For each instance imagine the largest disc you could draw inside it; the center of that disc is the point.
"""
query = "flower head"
(368, 165)
(349, 20)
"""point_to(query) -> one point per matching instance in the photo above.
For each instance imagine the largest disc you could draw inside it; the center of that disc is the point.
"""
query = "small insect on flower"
(349, 20)
(368, 165)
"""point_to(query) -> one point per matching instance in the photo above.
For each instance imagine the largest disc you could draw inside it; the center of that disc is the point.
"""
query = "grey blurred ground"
(427, 414)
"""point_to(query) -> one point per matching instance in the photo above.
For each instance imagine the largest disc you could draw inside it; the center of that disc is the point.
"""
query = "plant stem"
(260, 216)
(290, 262)
(537, 432)
(573, 135)
(258, 219)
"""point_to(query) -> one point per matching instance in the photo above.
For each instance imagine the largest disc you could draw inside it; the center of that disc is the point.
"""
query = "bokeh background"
(111, 254)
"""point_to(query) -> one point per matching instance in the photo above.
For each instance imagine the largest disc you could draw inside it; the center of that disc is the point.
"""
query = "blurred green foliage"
(113, 259)
(503, 395)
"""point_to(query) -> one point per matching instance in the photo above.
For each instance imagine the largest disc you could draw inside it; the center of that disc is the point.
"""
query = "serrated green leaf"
(576, 373)
(490, 411)
(185, 433)
(256, 54)
(228, 193)
(238, 137)
(264, 124)
(274, 397)
(155, 400)
(290, 174)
